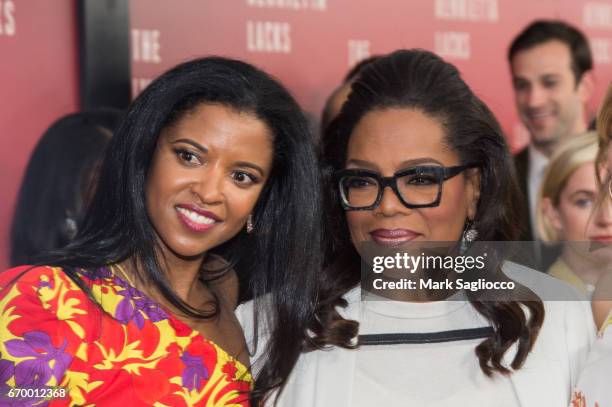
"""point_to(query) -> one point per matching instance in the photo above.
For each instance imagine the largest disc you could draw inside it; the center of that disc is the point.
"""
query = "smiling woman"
(207, 173)
(415, 157)
(139, 308)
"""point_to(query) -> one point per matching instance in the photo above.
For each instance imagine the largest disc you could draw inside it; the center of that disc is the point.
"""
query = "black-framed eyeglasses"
(416, 187)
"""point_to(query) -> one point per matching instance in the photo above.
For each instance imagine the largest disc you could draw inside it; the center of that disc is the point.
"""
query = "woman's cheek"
(357, 224)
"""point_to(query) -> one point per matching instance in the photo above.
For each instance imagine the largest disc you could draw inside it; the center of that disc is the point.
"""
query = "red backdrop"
(38, 83)
(307, 44)
(310, 44)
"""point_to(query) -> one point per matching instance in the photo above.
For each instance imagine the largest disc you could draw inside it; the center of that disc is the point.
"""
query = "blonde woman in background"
(567, 197)
(593, 389)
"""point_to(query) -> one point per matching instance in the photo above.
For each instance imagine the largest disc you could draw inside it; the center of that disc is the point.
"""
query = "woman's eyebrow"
(250, 165)
(422, 160)
(584, 192)
(404, 164)
(192, 143)
(362, 163)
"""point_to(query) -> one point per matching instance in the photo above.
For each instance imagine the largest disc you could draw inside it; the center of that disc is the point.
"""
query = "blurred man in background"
(551, 66)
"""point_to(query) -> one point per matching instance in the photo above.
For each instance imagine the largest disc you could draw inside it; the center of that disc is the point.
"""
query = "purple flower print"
(194, 373)
(96, 274)
(135, 304)
(7, 370)
(47, 284)
(37, 371)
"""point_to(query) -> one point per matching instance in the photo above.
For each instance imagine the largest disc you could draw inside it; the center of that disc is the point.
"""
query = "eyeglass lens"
(416, 189)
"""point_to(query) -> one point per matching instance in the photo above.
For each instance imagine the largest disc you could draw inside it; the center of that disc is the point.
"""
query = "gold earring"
(249, 224)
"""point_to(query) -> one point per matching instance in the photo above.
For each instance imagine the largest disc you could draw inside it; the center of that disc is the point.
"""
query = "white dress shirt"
(535, 175)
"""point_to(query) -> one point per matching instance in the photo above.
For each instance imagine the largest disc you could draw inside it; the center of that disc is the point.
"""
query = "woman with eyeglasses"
(593, 389)
(415, 157)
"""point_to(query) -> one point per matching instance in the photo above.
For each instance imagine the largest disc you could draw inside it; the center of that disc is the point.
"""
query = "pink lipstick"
(196, 219)
(393, 237)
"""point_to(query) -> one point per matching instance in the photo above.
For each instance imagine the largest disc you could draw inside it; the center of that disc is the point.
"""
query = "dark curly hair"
(417, 79)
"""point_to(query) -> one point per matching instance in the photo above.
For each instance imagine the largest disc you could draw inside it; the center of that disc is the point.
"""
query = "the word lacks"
(357, 51)
(467, 10)
(602, 50)
(597, 14)
(146, 46)
(269, 36)
(452, 44)
(8, 25)
(318, 5)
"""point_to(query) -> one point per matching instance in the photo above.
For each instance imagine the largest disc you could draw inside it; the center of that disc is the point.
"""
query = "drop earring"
(70, 225)
(469, 235)
(249, 224)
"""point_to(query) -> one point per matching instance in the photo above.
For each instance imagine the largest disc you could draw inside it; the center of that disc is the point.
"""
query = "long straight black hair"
(280, 258)
(57, 181)
(418, 79)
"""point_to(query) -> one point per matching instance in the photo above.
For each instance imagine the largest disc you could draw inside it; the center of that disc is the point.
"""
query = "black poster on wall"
(104, 53)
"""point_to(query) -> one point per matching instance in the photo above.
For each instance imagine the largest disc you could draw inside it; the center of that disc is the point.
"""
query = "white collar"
(537, 160)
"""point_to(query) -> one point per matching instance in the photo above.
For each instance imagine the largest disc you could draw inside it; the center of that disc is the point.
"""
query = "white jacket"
(325, 378)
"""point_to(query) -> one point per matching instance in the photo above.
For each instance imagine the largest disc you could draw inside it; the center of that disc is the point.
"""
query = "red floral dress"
(134, 353)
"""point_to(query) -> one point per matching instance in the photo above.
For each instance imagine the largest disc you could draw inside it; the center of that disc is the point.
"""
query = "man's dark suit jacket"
(521, 162)
(547, 254)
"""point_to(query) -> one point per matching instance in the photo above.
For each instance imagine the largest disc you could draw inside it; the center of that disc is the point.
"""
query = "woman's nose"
(210, 186)
(390, 203)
